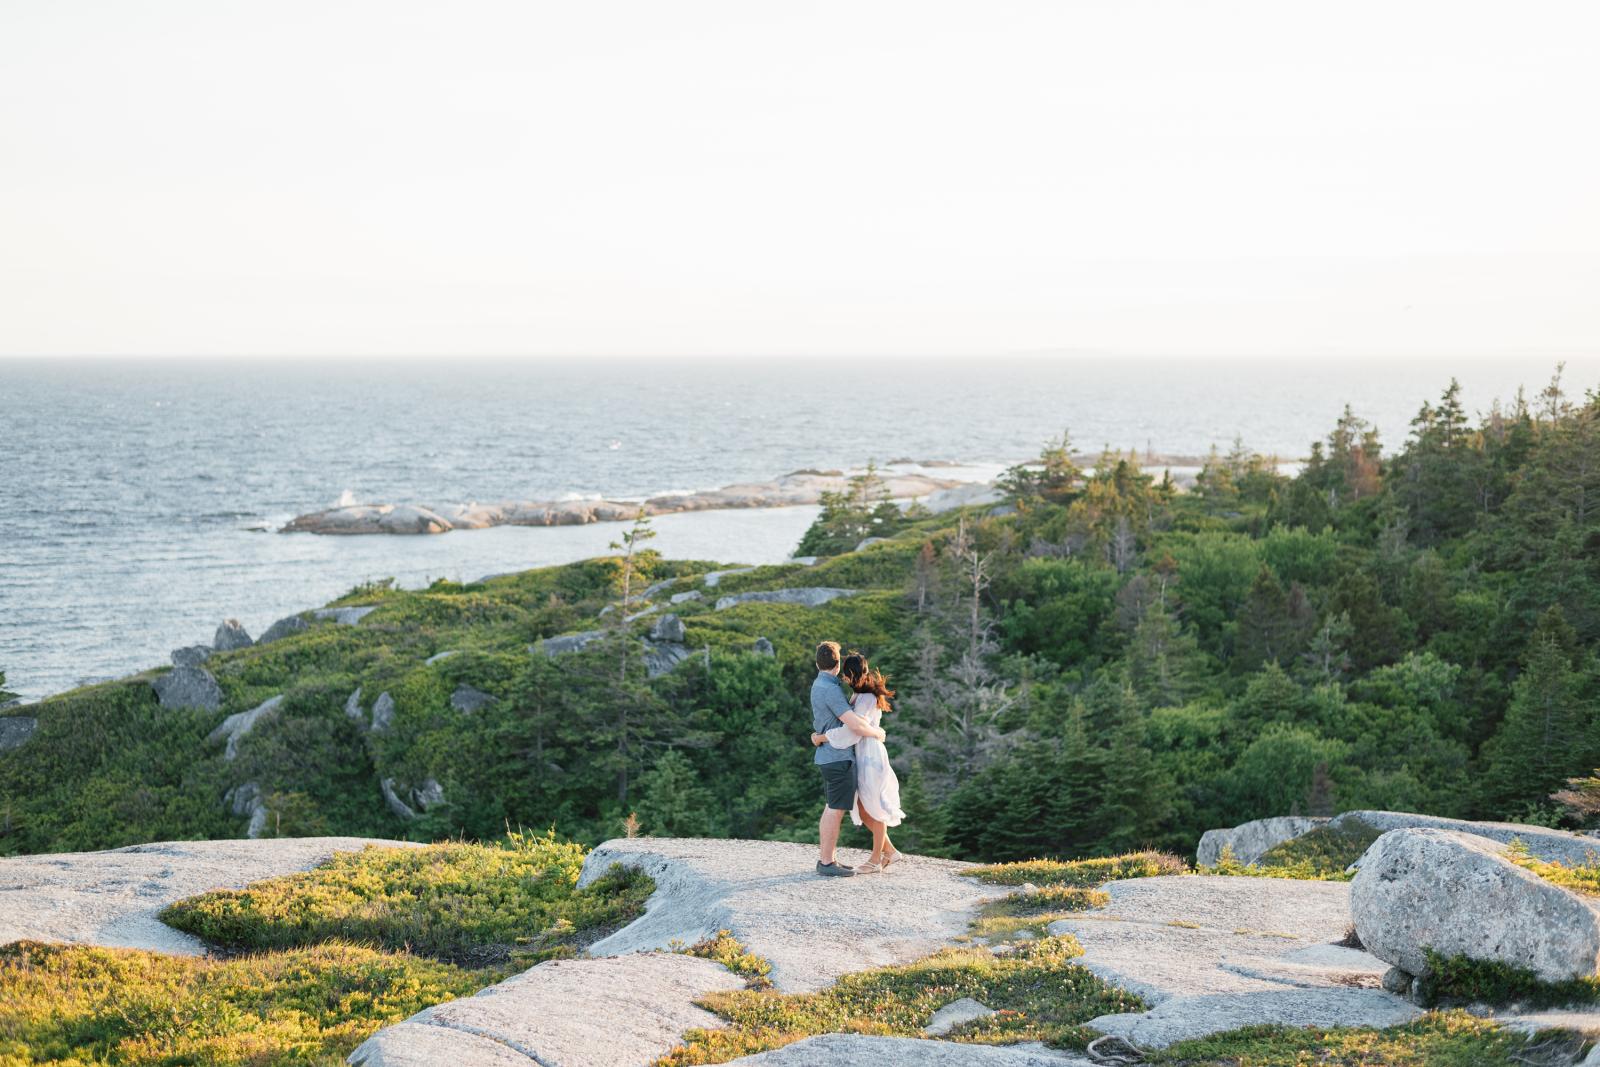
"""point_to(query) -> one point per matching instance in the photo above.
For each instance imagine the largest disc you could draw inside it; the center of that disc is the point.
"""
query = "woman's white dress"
(877, 788)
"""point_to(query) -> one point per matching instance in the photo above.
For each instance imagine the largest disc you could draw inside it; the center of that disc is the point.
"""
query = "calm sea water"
(132, 492)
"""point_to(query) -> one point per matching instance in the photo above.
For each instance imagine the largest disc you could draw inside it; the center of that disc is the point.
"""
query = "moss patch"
(1038, 993)
(1323, 854)
(473, 904)
(727, 950)
(1459, 979)
(79, 1005)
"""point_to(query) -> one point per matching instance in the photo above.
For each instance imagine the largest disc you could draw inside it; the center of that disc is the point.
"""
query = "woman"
(877, 788)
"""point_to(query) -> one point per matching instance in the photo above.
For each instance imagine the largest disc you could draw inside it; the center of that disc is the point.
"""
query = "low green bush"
(474, 904)
(1437, 1039)
(1086, 872)
(81, 1006)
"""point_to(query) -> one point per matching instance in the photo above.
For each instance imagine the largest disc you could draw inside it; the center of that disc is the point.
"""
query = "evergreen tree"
(1274, 624)
(1548, 732)
(861, 510)
(1133, 798)
(1165, 666)
(6, 697)
(673, 802)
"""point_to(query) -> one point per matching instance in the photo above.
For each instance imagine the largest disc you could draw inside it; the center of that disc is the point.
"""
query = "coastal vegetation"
(1101, 663)
(310, 965)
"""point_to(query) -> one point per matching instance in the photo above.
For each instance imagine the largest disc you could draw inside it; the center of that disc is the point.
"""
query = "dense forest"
(1102, 661)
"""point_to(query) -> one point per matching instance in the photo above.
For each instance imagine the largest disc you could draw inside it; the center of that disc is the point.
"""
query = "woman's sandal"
(868, 868)
(894, 857)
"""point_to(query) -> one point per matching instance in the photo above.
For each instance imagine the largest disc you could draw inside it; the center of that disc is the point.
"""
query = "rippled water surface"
(132, 493)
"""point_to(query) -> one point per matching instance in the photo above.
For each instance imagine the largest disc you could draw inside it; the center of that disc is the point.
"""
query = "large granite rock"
(575, 1013)
(371, 519)
(190, 655)
(768, 895)
(247, 800)
(1215, 953)
(15, 730)
(391, 797)
(234, 728)
(669, 628)
(352, 708)
(763, 647)
(231, 635)
(283, 628)
(188, 687)
(1249, 840)
(558, 646)
(685, 597)
(382, 712)
(808, 597)
(1555, 846)
(1459, 895)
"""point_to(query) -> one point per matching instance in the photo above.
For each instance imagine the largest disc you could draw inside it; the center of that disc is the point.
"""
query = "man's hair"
(827, 655)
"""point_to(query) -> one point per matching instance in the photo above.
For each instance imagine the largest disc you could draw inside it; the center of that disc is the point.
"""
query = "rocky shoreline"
(790, 490)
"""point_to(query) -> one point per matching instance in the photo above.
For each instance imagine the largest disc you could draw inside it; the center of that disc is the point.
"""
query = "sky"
(393, 177)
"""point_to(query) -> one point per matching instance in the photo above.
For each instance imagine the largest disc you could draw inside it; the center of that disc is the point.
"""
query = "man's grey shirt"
(828, 702)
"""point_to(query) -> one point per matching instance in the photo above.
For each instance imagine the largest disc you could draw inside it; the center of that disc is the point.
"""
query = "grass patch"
(1090, 872)
(1005, 918)
(479, 905)
(1580, 878)
(1039, 994)
(1460, 979)
(78, 1005)
(1324, 854)
(1438, 1039)
(727, 950)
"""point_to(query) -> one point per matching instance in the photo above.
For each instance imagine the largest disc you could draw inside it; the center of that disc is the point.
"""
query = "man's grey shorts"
(839, 784)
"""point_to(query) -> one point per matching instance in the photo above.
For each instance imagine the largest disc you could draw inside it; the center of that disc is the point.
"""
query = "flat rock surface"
(851, 1050)
(621, 1011)
(111, 898)
(769, 896)
(1215, 953)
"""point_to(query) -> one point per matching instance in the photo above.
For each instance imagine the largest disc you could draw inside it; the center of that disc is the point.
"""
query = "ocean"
(138, 497)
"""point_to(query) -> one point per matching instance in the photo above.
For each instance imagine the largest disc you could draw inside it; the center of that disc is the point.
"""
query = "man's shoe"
(834, 870)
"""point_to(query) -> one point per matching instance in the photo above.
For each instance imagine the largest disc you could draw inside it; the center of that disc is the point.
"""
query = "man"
(829, 708)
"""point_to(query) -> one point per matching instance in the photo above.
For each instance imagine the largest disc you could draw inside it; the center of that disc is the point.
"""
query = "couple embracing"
(856, 776)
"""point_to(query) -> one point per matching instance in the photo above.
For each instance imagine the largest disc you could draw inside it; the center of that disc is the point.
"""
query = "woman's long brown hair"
(863, 679)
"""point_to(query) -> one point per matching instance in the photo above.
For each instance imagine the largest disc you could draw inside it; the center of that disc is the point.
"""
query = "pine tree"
(673, 802)
(1133, 797)
(1547, 734)
(1164, 663)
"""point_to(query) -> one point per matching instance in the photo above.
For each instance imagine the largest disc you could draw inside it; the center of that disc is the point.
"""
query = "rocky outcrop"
(382, 713)
(1215, 953)
(371, 519)
(1459, 895)
(763, 647)
(230, 636)
(619, 1010)
(1554, 846)
(188, 687)
(111, 898)
(713, 579)
(854, 1050)
(190, 656)
(345, 616)
(754, 888)
(684, 598)
(809, 597)
(391, 797)
(669, 629)
(954, 1014)
(246, 800)
(557, 646)
(352, 708)
(467, 700)
(1248, 841)
(235, 727)
(799, 488)
(440, 657)
(283, 628)
(15, 730)
(961, 496)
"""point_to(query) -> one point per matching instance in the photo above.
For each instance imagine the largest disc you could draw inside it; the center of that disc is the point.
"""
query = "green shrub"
(1460, 979)
(1088, 872)
(95, 1006)
(1437, 1039)
(477, 904)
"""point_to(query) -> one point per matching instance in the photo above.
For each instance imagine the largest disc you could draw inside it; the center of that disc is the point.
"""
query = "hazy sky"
(393, 176)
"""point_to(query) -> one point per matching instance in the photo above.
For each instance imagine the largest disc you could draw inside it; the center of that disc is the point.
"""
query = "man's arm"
(860, 726)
